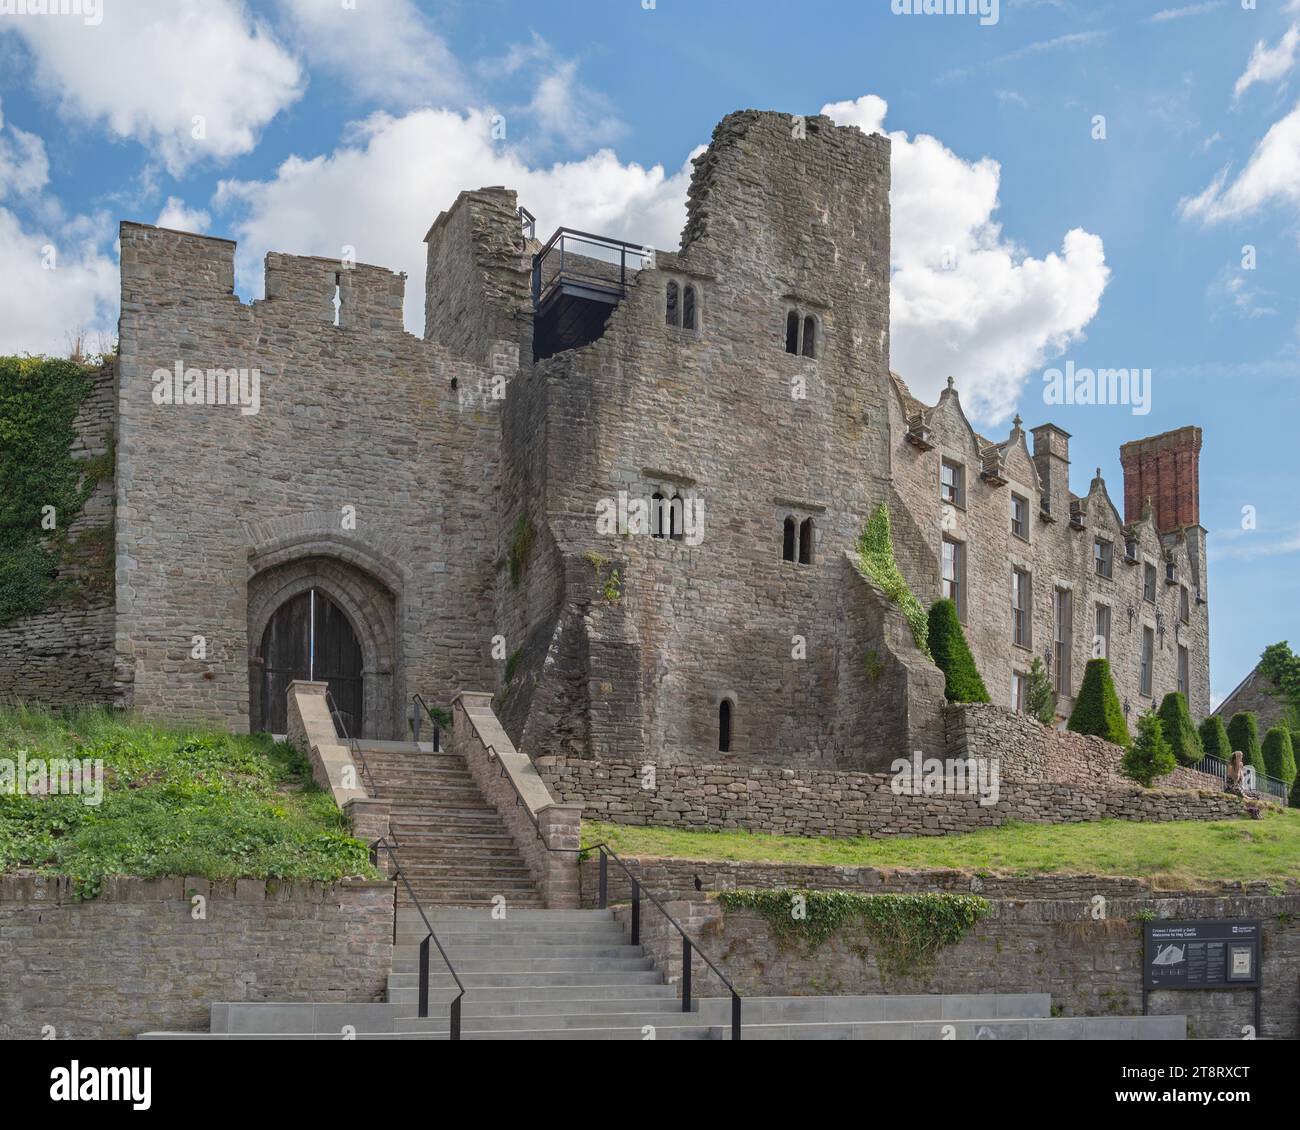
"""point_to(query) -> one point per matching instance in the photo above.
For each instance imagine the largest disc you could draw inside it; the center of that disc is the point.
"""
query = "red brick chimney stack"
(1167, 469)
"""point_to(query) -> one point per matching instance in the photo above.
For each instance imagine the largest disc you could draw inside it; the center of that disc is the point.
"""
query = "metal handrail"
(419, 698)
(422, 1011)
(622, 246)
(354, 747)
(1214, 766)
(606, 852)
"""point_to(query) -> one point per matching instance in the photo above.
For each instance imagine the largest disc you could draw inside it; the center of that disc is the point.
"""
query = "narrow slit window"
(787, 545)
(688, 308)
(724, 726)
(671, 313)
(792, 333)
(806, 541)
(675, 508)
(338, 298)
(810, 336)
(657, 515)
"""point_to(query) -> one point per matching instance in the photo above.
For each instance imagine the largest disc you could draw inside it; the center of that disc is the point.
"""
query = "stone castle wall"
(368, 472)
(64, 655)
(137, 959)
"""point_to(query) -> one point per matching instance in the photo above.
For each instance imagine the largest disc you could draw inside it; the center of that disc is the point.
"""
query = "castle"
(619, 487)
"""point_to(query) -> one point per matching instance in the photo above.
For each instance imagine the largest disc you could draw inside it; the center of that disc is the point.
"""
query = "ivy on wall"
(43, 488)
(876, 560)
(906, 931)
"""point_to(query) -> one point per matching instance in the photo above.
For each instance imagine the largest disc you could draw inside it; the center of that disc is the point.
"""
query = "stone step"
(541, 965)
(774, 1010)
(404, 951)
(532, 979)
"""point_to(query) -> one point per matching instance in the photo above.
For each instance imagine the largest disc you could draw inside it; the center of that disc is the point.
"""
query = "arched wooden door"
(308, 637)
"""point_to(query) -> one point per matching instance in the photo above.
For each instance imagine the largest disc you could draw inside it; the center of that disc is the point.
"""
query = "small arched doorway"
(309, 637)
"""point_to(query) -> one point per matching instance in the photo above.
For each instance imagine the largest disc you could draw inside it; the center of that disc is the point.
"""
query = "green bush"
(1243, 737)
(1150, 756)
(1040, 695)
(876, 560)
(1097, 710)
(1179, 731)
(1214, 738)
(1279, 755)
(961, 679)
(1294, 799)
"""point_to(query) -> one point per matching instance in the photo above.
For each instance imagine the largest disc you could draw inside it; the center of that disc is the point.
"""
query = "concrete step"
(858, 1009)
(531, 980)
(1052, 1028)
(539, 965)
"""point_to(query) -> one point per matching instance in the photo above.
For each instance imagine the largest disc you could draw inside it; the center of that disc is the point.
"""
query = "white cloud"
(1166, 14)
(24, 167)
(1271, 175)
(380, 191)
(152, 66)
(965, 301)
(54, 285)
(384, 50)
(178, 217)
(1269, 64)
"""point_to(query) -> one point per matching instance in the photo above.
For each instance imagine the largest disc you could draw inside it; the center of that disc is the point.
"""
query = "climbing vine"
(906, 931)
(876, 560)
(521, 546)
(43, 488)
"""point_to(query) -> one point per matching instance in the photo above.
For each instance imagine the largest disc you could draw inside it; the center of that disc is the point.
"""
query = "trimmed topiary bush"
(1097, 710)
(961, 679)
(1294, 799)
(1214, 738)
(1179, 731)
(1243, 735)
(1279, 756)
(1150, 756)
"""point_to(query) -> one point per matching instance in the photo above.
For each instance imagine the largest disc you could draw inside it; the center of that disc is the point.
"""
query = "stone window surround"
(1106, 556)
(682, 286)
(669, 485)
(1028, 610)
(800, 511)
(1016, 496)
(731, 697)
(960, 487)
(1110, 626)
(799, 308)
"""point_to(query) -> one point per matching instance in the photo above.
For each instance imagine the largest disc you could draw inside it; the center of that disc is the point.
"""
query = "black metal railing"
(422, 1009)
(418, 700)
(1216, 767)
(529, 222)
(572, 256)
(607, 853)
(354, 747)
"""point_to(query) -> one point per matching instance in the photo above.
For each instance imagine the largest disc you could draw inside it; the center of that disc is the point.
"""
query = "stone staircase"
(453, 844)
(573, 975)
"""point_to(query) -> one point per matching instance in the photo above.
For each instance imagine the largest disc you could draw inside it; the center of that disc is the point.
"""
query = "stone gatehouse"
(304, 489)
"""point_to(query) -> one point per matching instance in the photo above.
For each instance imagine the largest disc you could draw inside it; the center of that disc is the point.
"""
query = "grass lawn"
(176, 800)
(1180, 854)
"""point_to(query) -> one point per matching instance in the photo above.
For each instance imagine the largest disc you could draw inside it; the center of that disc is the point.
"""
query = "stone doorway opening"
(310, 637)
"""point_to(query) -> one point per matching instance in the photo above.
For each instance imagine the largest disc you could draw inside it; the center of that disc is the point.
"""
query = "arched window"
(792, 333)
(657, 515)
(675, 507)
(724, 726)
(787, 545)
(810, 336)
(688, 308)
(671, 314)
(806, 542)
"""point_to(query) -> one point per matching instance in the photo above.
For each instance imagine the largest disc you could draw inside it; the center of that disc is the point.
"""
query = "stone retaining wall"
(815, 802)
(1091, 967)
(136, 958)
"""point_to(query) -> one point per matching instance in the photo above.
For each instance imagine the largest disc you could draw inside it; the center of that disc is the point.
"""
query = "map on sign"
(1202, 955)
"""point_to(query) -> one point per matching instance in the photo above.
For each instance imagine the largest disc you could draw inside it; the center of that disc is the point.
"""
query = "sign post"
(1222, 953)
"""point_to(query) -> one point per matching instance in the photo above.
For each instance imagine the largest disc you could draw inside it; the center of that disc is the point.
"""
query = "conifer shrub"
(1097, 710)
(1243, 735)
(1179, 731)
(1150, 755)
(1279, 754)
(1040, 695)
(961, 679)
(1214, 738)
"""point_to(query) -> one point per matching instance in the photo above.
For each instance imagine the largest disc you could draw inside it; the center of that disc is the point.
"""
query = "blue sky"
(326, 124)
